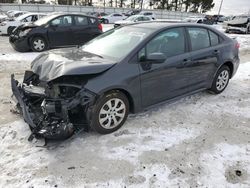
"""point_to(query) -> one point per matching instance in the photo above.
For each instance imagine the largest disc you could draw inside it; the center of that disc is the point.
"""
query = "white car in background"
(195, 19)
(132, 19)
(7, 27)
(148, 14)
(112, 18)
(15, 13)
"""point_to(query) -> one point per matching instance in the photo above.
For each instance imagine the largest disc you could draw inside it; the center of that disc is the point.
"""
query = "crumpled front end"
(52, 110)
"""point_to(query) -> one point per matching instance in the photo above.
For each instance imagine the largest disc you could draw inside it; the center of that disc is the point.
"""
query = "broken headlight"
(62, 91)
(24, 33)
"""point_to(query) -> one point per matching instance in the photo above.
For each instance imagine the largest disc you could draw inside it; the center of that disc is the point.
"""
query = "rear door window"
(199, 38)
(92, 20)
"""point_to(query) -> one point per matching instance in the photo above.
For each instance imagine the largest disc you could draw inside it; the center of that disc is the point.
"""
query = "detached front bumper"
(236, 29)
(47, 118)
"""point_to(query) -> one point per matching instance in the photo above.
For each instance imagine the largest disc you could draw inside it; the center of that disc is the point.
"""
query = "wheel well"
(127, 94)
(231, 67)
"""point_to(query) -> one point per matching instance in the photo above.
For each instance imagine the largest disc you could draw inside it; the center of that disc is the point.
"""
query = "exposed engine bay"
(53, 110)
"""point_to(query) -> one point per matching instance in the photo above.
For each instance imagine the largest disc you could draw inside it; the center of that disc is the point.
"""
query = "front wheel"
(38, 44)
(221, 80)
(109, 113)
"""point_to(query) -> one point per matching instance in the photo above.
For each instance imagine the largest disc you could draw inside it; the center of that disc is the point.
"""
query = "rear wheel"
(106, 21)
(109, 113)
(221, 80)
(38, 44)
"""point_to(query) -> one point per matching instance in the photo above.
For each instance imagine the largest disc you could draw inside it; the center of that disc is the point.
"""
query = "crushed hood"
(27, 26)
(238, 21)
(66, 62)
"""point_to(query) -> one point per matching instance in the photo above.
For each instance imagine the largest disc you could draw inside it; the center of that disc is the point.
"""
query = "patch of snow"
(223, 159)
(149, 139)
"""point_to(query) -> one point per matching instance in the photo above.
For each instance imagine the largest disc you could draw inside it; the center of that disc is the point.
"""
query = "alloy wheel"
(222, 80)
(39, 44)
(112, 113)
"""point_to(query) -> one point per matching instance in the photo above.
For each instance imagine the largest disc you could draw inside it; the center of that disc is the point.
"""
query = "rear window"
(81, 20)
(214, 38)
(199, 38)
(93, 20)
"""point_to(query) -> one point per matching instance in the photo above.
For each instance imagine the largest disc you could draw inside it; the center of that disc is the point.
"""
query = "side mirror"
(156, 57)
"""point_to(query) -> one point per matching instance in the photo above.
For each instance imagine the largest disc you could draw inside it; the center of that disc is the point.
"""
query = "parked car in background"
(132, 19)
(240, 25)
(7, 27)
(3, 17)
(112, 18)
(195, 19)
(11, 15)
(148, 14)
(55, 30)
(97, 14)
(132, 12)
(16, 13)
(122, 71)
(219, 18)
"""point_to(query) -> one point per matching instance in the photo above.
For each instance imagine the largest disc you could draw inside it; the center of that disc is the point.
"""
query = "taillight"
(237, 45)
(100, 27)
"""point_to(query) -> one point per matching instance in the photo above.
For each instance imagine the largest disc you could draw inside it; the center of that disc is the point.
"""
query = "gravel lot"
(199, 141)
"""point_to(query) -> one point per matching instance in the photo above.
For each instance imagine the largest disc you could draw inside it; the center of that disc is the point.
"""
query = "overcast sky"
(230, 7)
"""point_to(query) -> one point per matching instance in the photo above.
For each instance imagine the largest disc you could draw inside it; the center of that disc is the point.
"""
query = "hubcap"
(39, 44)
(112, 113)
(222, 80)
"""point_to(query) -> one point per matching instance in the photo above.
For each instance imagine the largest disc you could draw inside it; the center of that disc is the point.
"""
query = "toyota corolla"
(122, 71)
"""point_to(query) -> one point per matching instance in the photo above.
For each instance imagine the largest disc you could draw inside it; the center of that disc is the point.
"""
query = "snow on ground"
(198, 141)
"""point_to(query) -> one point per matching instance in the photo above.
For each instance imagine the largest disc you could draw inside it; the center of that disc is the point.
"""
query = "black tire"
(106, 21)
(10, 29)
(35, 48)
(215, 86)
(95, 115)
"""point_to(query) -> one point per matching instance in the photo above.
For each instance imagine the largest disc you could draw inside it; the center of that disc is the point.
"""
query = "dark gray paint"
(177, 76)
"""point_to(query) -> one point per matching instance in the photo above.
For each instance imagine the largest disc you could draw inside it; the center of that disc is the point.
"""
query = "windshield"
(22, 17)
(131, 18)
(117, 43)
(45, 19)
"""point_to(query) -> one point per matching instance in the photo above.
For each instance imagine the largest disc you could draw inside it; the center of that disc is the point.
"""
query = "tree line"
(197, 6)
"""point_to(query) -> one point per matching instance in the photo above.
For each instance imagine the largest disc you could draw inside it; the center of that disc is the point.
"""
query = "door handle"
(186, 62)
(216, 52)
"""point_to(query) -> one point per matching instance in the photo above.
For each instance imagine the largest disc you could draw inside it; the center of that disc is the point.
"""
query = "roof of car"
(71, 13)
(156, 25)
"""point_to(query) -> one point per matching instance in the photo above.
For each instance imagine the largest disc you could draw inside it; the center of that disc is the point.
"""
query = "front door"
(60, 31)
(166, 76)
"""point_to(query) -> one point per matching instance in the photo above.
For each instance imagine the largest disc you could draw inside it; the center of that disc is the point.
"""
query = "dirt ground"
(199, 141)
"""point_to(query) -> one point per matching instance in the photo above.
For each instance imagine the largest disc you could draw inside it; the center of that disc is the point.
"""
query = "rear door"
(205, 54)
(83, 29)
(60, 31)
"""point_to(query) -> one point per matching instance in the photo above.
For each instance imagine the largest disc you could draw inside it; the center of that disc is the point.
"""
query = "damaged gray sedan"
(122, 71)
